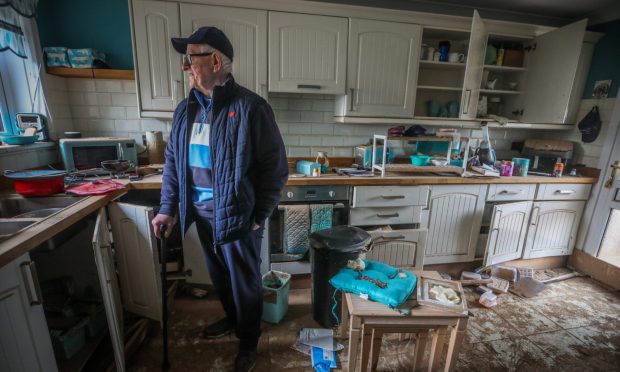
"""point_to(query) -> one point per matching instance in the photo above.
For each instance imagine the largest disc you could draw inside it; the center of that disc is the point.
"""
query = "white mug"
(456, 57)
(430, 53)
(436, 56)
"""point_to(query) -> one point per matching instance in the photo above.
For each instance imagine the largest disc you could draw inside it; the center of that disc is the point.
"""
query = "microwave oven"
(88, 153)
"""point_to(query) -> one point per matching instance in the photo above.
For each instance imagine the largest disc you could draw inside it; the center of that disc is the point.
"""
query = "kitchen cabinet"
(453, 222)
(381, 69)
(25, 344)
(307, 53)
(137, 257)
(507, 232)
(553, 228)
(247, 31)
(104, 259)
(159, 75)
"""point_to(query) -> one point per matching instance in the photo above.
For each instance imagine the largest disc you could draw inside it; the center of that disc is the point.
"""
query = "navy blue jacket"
(248, 161)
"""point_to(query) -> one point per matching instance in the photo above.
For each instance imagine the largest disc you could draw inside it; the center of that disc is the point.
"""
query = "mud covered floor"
(572, 325)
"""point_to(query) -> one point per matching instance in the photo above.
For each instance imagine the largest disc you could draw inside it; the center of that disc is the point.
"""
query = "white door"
(603, 234)
(307, 53)
(454, 219)
(137, 258)
(194, 259)
(507, 232)
(474, 67)
(382, 69)
(553, 228)
(551, 72)
(158, 65)
(247, 31)
(104, 259)
(25, 343)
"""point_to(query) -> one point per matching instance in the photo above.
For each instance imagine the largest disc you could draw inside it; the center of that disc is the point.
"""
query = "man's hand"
(163, 219)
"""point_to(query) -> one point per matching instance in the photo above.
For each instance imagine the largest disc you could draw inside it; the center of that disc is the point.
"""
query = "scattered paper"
(302, 348)
(319, 337)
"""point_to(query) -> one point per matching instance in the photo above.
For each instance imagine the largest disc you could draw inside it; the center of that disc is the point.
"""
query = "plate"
(296, 175)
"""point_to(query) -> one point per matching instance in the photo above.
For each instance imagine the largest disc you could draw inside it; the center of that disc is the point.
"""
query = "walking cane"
(164, 296)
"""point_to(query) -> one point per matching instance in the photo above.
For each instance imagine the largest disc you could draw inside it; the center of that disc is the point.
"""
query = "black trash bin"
(330, 251)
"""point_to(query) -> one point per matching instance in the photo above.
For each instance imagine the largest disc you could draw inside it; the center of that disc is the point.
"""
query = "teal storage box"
(84, 58)
(276, 285)
(67, 344)
(56, 57)
(307, 167)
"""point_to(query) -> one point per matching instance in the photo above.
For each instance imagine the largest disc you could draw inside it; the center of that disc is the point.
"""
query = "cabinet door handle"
(534, 220)
(106, 264)
(467, 99)
(387, 215)
(308, 86)
(352, 98)
(509, 192)
(31, 280)
(428, 201)
(393, 196)
(263, 91)
(396, 237)
(564, 192)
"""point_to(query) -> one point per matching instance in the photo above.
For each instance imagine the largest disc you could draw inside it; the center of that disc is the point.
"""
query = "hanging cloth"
(11, 34)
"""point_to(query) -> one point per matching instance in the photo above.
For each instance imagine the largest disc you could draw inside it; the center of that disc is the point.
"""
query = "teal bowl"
(419, 160)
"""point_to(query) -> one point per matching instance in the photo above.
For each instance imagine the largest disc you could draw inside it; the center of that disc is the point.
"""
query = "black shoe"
(218, 329)
(245, 360)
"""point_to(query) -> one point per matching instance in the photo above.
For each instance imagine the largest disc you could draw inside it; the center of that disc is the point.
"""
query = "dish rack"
(409, 168)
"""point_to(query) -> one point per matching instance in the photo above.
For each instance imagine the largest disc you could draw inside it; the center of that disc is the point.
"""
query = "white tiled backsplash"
(109, 107)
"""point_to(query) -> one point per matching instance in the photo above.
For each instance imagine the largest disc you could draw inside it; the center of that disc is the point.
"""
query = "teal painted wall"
(99, 24)
(606, 59)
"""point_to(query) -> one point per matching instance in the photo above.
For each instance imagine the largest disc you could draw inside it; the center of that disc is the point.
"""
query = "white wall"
(109, 107)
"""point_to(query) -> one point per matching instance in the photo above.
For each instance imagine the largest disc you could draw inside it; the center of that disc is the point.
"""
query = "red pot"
(38, 183)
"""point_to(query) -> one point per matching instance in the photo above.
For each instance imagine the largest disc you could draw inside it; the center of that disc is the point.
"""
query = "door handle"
(614, 170)
(308, 86)
(31, 280)
(105, 262)
(467, 99)
(534, 220)
(387, 215)
(564, 192)
(352, 98)
(263, 90)
(393, 196)
(508, 192)
(396, 237)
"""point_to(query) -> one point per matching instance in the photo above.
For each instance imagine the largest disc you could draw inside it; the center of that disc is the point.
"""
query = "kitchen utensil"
(37, 182)
(423, 51)
(521, 166)
(18, 140)
(453, 109)
(456, 57)
(116, 165)
(486, 155)
(444, 49)
(165, 365)
(322, 159)
(433, 108)
(491, 83)
(430, 54)
(419, 160)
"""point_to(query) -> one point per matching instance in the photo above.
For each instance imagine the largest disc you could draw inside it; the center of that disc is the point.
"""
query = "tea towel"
(321, 216)
(296, 228)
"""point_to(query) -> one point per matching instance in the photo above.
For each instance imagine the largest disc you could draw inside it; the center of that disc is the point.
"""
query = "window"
(5, 119)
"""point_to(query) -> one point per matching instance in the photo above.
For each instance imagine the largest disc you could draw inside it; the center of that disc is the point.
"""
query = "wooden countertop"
(39, 232)
(154, 182)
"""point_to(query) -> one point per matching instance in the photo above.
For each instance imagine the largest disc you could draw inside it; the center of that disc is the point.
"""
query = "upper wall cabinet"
(247, 31)
(159, 75)
(381, 70)
(307, 53)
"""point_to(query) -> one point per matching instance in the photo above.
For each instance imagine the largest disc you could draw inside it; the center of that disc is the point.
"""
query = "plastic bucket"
(276, 285)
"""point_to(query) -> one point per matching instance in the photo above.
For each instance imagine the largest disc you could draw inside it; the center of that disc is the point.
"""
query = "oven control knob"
(331, 193)
(290, 195)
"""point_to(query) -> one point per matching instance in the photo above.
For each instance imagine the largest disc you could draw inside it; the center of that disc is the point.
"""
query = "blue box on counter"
(307, 167)
(56, 57)
(84, 58)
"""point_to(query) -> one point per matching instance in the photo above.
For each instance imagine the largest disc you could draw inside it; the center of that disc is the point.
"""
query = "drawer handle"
(396, 237)
(508, 192)
(387, 215)
(308, 86)
(564, 192)
(31, 279)
(393, 196)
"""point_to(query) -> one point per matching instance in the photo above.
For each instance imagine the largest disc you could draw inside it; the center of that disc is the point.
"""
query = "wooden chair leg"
(354, 340)
(437, 349)
(456, 338)
(375, 349)
(366, 343)
(420, 347)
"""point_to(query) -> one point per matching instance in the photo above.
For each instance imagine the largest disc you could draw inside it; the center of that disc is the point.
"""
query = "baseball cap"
(205, 35)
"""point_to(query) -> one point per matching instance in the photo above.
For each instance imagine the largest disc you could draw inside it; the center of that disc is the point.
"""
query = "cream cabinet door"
(307, 53)
(137, 258)
(247, 31)
(382, 69)
(507, 232)
(104, 259)
(553, 228)
(551, 74)
(454, 219)
(473, 68)
(159, 76)
(25, 343)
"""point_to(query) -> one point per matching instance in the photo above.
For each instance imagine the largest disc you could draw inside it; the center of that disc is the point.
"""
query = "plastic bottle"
(558, 168)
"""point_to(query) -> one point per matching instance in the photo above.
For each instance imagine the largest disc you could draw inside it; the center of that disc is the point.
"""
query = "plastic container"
(307, 167)
(276, 285)
(56, 57)
(67, 344)
(521, 165)
(84, 58)
(37, 182)
(419, 160)
(330, 249)
(488, 299)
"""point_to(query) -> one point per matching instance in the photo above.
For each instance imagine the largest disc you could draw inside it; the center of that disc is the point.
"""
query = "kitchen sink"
(39, 207)
(8, 228)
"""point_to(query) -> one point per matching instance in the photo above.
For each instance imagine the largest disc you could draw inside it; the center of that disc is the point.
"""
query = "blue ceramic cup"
(444, 49)
(433, 108)
(453, 109)
(521, 165)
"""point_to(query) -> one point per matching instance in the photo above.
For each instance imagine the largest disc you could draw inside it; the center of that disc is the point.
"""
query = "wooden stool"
(367, 321)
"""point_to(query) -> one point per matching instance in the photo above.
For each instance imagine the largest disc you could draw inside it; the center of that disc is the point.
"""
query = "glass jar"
(495, 106)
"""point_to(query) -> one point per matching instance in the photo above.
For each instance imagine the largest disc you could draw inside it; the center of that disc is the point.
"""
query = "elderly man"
(225, 169)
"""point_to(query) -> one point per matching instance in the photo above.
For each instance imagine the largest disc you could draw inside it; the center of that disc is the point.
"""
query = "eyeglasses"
(187, 58)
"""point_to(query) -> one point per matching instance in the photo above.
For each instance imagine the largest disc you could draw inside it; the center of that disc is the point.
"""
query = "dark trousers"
(235, 271)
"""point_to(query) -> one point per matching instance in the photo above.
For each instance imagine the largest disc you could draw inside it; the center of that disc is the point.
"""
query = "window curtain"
(11, 33)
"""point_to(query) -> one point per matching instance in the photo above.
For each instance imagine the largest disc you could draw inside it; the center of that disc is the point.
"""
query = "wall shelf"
(438, 88)
(435, 65)
(503, 68)
(499, 91)
(92, 73)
